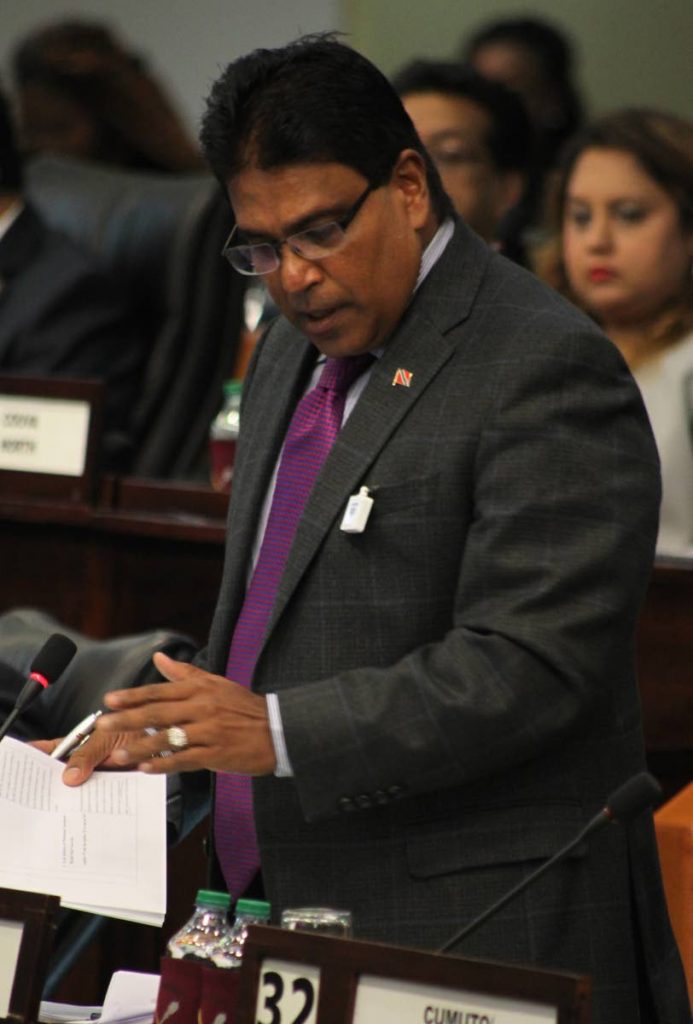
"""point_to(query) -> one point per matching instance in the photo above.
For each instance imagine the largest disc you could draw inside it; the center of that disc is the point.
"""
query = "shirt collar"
(435, 249)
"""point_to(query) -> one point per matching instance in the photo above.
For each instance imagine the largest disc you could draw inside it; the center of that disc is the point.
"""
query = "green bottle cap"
(232, 387)
(254, 908)
(211, 898)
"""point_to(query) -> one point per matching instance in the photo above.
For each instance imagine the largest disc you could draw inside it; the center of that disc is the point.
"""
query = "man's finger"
(95, 753)
(171, 669)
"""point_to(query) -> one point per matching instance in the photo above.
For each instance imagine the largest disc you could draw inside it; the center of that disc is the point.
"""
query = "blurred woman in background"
(625, 209)
(82, 94)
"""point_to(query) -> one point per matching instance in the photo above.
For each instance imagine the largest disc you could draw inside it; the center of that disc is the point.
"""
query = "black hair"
(510, 136)
(554, 54)
(10, 160)
(315, 100)
(549, 45)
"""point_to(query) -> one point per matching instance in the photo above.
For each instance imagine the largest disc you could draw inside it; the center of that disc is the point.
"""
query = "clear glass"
(322, 920)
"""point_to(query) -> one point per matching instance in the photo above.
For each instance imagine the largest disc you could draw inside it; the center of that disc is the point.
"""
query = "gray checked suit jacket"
(457, 683)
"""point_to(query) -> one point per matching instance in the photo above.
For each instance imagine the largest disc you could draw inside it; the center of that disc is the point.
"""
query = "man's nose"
(296, 272)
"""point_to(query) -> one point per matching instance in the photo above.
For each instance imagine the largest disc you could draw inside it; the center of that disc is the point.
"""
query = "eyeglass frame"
(342, 223)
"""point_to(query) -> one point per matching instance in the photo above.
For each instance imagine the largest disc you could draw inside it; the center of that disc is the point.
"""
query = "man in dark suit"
(440, 699)
(60, 314)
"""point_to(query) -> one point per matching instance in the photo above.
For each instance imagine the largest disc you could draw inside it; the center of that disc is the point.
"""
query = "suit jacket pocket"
(483, 838)
(390, 498)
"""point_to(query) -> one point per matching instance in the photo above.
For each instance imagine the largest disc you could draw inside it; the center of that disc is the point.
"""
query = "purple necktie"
(314, 426)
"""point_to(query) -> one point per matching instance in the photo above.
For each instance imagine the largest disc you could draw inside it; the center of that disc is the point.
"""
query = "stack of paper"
(130, 999)
(100, 847)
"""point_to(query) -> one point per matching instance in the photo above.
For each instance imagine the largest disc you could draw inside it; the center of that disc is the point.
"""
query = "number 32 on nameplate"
(287, 993)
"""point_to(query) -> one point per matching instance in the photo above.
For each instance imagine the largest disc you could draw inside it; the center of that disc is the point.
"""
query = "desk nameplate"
(291, 977)
(50, 435)
(43, 435)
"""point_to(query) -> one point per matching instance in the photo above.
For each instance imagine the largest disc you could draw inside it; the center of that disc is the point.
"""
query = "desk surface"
(148, 556)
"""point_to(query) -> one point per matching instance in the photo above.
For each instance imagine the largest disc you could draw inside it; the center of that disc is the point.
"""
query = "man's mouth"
(319, 321)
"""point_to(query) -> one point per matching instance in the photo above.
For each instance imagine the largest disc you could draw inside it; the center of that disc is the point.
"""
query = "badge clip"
(357, 512)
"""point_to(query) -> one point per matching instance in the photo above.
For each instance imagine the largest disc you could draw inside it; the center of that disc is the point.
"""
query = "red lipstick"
(598, 275)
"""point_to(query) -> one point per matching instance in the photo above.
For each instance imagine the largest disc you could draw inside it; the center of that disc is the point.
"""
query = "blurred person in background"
(60, 314)
(81, 93)
(536, 60)
(479, 137)
(624, 220)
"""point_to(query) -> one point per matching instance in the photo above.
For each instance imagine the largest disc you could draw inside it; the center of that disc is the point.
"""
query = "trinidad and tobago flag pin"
(402, 377)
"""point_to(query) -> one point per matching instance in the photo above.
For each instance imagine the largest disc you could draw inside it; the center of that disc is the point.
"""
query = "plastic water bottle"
(223, 436)
(207, 933)
(247, 912)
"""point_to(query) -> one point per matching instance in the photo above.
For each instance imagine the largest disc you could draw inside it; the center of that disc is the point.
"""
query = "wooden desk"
(665, 670)
(147, 556)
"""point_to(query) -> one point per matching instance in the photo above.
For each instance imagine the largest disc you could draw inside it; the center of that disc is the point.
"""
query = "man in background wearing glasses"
(442, 688)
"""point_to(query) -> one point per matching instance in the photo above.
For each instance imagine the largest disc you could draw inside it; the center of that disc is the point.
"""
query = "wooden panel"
(674, 826)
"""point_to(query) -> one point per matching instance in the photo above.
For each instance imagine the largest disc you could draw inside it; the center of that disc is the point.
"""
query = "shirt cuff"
(283, 768)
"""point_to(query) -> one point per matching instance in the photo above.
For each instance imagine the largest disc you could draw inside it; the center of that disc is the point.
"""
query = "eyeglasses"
(311, 244)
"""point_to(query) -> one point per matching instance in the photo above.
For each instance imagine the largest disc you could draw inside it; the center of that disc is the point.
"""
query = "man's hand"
(226, 725)
(94, 753)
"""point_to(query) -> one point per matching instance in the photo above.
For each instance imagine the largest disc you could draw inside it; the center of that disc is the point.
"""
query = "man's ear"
(409, 177)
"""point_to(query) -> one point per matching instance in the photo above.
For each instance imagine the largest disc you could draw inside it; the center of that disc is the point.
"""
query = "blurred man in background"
(478, 135)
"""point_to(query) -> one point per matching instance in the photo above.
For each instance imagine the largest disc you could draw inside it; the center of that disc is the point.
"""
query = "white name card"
(287, 993)
(43, 435)
(390, 1001)
(11, 933)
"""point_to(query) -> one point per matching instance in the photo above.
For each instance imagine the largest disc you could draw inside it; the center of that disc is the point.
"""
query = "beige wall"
(629, 51)
(186, 42)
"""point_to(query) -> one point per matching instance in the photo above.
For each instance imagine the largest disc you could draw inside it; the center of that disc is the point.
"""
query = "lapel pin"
(402, 377)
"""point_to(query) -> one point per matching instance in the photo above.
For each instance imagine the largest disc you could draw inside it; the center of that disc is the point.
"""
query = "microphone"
(637, 793)
(50, 662)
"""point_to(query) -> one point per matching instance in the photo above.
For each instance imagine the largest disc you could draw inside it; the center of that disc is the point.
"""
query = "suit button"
(381, 797)
(394, 792)
(345, 803)
(363, 801)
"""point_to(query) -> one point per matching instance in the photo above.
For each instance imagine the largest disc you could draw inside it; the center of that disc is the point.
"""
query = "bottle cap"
(254, 908)
(232, 387)
(211, 898)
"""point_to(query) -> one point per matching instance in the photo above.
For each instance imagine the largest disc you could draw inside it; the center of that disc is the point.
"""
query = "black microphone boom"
(50, 662)
(631, 798)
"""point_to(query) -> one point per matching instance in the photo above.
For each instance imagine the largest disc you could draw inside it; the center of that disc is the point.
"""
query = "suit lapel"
(420, 347)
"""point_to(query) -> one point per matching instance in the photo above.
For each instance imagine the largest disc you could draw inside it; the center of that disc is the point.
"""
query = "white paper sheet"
(100, 847)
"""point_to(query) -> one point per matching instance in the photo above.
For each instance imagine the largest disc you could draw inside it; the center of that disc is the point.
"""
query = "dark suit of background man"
(60, 314)
(455, 684)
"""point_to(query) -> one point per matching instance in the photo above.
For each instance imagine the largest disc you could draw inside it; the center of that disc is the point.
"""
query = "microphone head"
(54, 657)
(633, 796)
